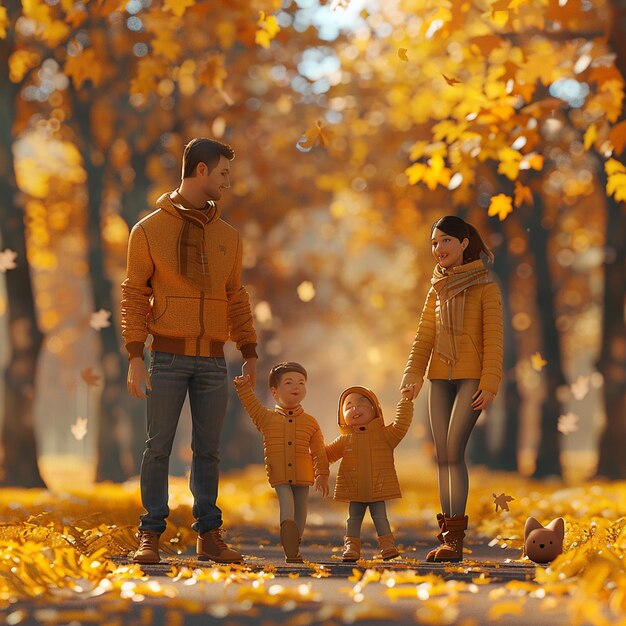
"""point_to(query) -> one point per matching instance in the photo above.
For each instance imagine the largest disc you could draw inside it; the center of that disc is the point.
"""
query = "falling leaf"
(568, 423)
(451, 81)
(502, 501)
(364, 14)
(317, 135)
(538, 362)
(100, 319)
(90, 377)
(79, 428)
(501, 205)
(580, 387)
(523, 194)
(402, 54)
(7, 260)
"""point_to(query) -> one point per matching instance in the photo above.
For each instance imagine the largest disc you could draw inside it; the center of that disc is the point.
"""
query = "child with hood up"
(367, 475)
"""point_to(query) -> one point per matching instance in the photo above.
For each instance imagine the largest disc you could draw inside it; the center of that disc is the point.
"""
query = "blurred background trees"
(355, 126)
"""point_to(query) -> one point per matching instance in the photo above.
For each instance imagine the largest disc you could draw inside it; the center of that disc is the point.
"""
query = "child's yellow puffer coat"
(367, 472)
(293, 443)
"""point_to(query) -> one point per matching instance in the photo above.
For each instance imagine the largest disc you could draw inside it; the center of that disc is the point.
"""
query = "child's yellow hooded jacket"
(367, 472)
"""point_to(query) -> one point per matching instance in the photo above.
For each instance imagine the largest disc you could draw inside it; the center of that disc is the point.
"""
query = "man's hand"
(137, 374)
(410, 390)
(249, 369)
(240, 381)
(321, 485)
(482, 399)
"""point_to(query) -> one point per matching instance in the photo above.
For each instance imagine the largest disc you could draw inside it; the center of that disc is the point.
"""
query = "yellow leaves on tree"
(178, 7)
(268, 29)
(165, 45)
(149, 73)
(20, 62)
(432, 174)
(501, 205)
(4, 22)
(213, 73)
(617, 136)
(616, 183)
(83, 67)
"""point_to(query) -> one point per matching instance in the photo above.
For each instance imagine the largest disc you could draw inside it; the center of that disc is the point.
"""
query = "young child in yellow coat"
(367, 474)
(293, 444)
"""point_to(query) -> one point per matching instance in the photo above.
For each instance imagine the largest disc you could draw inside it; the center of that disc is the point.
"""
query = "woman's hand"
(482, 399)
(410, 390)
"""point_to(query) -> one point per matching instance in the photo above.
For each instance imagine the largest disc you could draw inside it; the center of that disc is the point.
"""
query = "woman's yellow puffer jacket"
(367, 472)
(480, 352)
(293, 443)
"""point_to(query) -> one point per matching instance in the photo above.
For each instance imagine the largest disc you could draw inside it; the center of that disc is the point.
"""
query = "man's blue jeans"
(171, 377)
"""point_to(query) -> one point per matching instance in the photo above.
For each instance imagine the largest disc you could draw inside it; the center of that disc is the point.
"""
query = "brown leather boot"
(147, 552)
(387, 547)
(290, 540)
(441, 522)
(452, 548)
(210, 545)
(351, 550)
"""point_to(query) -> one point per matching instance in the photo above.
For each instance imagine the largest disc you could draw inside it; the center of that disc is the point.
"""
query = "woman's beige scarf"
(450, 286)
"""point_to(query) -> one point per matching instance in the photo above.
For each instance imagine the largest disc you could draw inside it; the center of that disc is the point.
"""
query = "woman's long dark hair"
(460, 229)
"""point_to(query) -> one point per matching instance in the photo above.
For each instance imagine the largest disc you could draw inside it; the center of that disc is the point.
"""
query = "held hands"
(240, 381)
(408, 393)
(410, 390)
(137, 374)
(249, 370)
(482, 399)
(321, 485)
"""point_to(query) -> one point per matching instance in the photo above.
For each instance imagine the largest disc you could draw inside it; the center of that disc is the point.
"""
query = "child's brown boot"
(387, 547)
(351, 550)
(290, 540)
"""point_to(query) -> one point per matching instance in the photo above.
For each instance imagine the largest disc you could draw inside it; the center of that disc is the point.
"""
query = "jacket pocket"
(179, 318)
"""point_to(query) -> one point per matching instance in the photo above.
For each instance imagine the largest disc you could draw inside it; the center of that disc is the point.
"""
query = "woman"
(460, 333)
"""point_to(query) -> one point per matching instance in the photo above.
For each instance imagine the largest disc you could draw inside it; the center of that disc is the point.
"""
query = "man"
(183, 285)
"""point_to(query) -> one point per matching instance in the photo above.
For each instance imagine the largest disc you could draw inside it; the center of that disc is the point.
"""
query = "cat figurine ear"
(542, 544)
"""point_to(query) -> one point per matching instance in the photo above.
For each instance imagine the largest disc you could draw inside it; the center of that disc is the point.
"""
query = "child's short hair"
(276, 373)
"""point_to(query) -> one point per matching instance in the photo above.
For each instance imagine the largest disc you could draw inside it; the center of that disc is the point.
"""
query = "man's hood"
(165, 202)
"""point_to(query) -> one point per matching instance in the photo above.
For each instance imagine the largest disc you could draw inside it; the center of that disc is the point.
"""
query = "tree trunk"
(612, 360)
(506, 455)
(549, 452)
(18, 461)
(114, 461)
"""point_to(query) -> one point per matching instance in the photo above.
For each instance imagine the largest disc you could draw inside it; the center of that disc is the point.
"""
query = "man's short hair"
(203, 150)
(278, 371)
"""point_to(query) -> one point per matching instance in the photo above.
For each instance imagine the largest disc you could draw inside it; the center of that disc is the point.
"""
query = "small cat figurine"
(542, 544)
